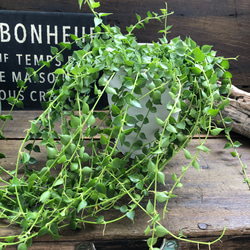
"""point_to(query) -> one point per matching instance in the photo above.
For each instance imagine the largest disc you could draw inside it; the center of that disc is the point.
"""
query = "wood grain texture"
(239, 111)
(216, 196)
(224, 24)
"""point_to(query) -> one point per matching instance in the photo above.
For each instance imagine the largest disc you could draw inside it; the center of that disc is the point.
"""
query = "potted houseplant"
(104, 156)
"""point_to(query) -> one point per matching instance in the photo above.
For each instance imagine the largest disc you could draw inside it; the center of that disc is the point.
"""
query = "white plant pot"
(150, 128)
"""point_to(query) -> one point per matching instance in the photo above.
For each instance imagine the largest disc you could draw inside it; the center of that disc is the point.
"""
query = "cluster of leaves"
(85, 173)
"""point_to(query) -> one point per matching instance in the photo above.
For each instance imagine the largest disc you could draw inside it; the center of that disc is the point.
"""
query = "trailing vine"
(92, 175)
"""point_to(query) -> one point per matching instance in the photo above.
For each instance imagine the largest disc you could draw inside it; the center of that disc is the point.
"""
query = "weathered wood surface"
(239, 111)
(216, 196)
(224, 24)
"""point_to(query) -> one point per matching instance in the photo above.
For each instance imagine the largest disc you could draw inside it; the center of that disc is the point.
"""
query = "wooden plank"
(228, 243)
(224, 24)
(15, 129)
(216, 196)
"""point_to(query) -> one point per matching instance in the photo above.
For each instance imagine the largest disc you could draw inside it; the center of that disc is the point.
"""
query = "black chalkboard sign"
(25, 39)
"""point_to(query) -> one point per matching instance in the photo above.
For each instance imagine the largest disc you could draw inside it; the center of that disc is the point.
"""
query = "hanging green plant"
(160, 95)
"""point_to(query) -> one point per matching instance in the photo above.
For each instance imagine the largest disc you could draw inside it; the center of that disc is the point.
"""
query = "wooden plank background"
(215, 195)
(224, 24)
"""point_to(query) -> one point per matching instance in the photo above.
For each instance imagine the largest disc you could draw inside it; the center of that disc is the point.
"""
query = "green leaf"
(30, 70)
(227, 145)
(156, 97)
(34, 128)
(20, 83)
(216, 131)
(54, 230)
(65, 139)
(44, 230)
(225, 64)
(29, 146)
(161, 231)
(198, 55)
(159, 121)
(47, 64)
(25, 158)
(59, 182)
(180, 51)
(135, 177)
(97, 21)
(151, 166)
(138, 17)
(228, 129)
(53, 50)
(227, 75)
(87, 171)
(11, 100)
(100, 219)
(5, 117)
(36, 149)
(104, 14)
(237, 144)
(152, 241)
(206, 49)
(161, 197)
(60, 58)
(187, 154)
(94, 4)
(133, 102)
(174, 177)
(104, 140)
(2, 156)
(9, 239)
(228, 120)
(51, 152)
(65, 45)
(16, 182)
(161, 177)
(75, 121)
(83, 204)
(179, 185)
(123, 208)
(233, 154)
(91, 120)
(181, 125)
(85, 108)
(196, 70)
(80, 3)
(147, 230)
(83, 155)
(213, 112)
(22, 246)
(45, 196)
(19, 104)
(165, 142)
(150, 207)
(32, 160)
(196, 165)
(74, 166)
(131, 215)
(130, 120)
(62, 159)
(171, 129)
(101, 188)
(203, 148)
(32, 177)
(111, 91)
(149, 14)
(59, 72)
